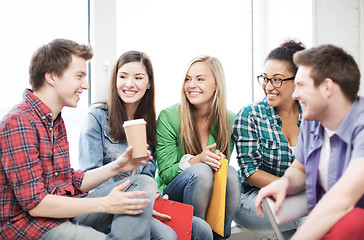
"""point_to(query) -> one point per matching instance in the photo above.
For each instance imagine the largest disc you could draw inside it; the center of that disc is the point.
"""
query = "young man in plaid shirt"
(41, 196)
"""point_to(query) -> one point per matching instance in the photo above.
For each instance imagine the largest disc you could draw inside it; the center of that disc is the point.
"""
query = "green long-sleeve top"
(168, 149)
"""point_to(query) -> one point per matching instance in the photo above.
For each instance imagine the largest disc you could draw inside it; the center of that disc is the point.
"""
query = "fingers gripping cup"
(135, 131)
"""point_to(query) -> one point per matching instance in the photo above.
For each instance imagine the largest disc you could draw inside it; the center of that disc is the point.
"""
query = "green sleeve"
(168, 153)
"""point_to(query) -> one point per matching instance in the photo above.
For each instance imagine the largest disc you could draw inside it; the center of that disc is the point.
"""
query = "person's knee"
(233, 179)
(232, 174)
(166, 234)
(202, 173)
(161, 231)
(233, 188)
(144, 182)
(246, 215)
(170, 235)
(201, 229)
(148, 180)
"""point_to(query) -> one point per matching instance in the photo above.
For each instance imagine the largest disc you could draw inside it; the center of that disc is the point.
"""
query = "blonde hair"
(189, 135)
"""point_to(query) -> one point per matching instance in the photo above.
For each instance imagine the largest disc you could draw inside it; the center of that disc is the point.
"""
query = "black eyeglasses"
(276, 82)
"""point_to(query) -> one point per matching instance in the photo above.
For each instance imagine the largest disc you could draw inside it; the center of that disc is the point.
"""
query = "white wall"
(274, 21)
(173, 34)
(103, 40)
(341, 23)
(25, 26)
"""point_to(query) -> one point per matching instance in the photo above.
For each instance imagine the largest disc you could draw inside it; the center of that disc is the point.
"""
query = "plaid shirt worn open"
(260, 143)
(34, 156)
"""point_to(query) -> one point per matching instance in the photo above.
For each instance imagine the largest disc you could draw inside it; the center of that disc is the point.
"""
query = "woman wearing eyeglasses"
(265, 135)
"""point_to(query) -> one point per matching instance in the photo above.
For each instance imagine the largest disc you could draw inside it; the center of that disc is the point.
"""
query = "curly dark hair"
(285, 53)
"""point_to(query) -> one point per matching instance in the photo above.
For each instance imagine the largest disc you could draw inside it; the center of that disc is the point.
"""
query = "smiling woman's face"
(132, 82)
(200, 85)
(278, 96)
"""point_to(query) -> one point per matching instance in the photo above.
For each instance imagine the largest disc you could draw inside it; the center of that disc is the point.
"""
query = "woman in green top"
(193, 136)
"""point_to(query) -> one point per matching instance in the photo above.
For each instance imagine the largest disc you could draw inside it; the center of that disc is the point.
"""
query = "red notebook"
(181, 216)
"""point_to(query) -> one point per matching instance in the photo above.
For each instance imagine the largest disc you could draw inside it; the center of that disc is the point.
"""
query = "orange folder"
(215, 216)
(181, 216)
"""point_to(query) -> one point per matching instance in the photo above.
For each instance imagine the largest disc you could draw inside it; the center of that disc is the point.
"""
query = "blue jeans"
(247, 217)
(194, 186)
(122, 226)
(161, 231)
(200, 229)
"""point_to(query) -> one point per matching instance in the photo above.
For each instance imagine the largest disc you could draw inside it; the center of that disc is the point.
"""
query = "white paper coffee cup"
(136, 135)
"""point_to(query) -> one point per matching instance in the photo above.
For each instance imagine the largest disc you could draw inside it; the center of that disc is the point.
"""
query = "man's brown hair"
(55, 57)
(328, 61)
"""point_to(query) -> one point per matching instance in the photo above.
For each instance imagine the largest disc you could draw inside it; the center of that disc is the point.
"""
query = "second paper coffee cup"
(135, 131)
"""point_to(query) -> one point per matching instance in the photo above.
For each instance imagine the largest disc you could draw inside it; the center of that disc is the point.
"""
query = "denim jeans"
(247, 217)
(122, 226)
(161, 231)
(200, 229)
(194, 186)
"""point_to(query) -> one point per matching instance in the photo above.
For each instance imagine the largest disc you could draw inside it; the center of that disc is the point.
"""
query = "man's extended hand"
(119, 202)
(126, 162)
(277, 190)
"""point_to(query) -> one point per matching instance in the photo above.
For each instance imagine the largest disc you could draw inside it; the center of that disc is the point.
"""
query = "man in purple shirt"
(329, 160)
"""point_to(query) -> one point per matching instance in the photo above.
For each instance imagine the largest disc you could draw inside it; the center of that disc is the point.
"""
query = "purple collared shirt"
(347, 144)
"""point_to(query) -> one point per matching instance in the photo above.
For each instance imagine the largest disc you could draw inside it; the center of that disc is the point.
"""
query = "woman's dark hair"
(146, 109)
(285, 53)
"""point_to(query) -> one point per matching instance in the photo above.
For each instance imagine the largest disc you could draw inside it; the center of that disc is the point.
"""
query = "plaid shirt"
(32, 166)
(260, 143)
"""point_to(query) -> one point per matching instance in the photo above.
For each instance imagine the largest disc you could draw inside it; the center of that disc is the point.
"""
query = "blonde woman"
(192, 136)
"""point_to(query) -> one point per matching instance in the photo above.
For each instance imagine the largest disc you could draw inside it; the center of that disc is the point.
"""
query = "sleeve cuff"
(184, 164)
